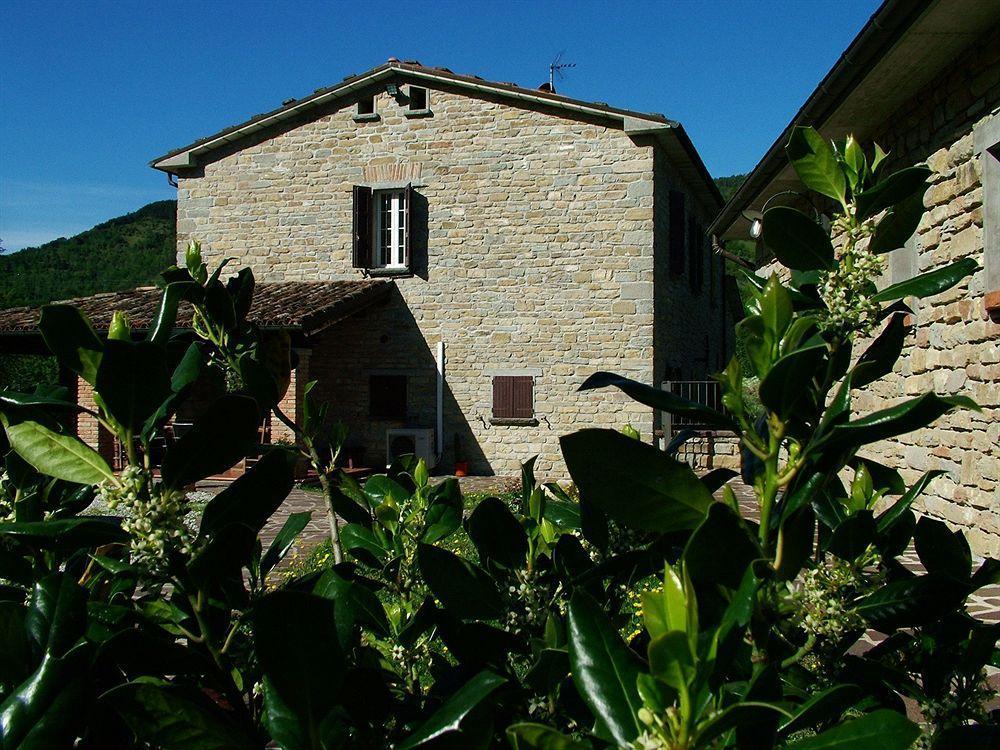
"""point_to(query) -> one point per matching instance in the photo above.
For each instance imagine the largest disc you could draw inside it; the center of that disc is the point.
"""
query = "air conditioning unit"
(418, 441)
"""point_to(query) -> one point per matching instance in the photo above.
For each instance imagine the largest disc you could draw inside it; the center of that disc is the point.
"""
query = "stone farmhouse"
(454, 256)
(922, 79)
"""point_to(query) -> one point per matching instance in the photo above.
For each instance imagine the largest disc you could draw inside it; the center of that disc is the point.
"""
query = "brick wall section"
(955, 347)
(88, 429)
(290, 402)
(534, 252)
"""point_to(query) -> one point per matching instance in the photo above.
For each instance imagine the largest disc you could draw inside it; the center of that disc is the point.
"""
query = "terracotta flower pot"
(461, 468)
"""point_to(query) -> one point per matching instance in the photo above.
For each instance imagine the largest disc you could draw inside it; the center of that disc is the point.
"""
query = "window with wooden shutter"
(513, 397)
(696, 259)
(676, 232)
(387, 397)
(362, 227)
(407, 223)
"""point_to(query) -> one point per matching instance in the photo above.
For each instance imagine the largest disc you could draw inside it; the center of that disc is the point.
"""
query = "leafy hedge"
(135, 630)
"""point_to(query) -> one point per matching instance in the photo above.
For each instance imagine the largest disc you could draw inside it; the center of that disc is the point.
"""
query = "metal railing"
(706, 392)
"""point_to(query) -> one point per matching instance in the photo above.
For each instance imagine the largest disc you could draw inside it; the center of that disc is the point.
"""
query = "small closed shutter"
(676, 232)
(362, 227)
(513, 397)
(407, 223)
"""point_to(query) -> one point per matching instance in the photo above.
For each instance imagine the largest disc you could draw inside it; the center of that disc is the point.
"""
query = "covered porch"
(302, 309)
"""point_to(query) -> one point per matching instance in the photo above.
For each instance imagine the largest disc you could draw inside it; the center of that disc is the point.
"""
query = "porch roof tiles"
(302, 306)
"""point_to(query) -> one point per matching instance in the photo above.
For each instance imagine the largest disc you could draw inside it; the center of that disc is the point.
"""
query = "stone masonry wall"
(533, 250)
(955, 347)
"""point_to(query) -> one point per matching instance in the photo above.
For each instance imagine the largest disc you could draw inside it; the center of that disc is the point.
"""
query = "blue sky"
(91, 91)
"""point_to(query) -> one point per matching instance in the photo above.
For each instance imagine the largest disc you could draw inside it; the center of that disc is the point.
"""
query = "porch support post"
(291, 402)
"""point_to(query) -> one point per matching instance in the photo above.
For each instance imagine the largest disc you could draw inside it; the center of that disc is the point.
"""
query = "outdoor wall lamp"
(392, 90)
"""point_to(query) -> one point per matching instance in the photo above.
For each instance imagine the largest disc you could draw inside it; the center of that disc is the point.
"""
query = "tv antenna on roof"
(557, 66)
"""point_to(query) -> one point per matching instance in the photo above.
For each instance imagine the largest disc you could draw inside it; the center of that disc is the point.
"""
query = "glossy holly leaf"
(941, 550)
(898, 225)
(466, 590)
(880, 356)
(799, 367)
(497, 534)
(897, 420)
(69, 336)
(284, 540)
(722, 529)
(448, 719)
(882, 729)
(815, 163)
(797, 241)
(379, 488)
(910, 602)
(43, 712)
(133, 381)
(604, 671)
(172, 717)
(795, 543)
(15, 652)
(892, 514)
(852, 536)
(930, 283)
(56, 455)
(252, 498)
(304, 681)
(444, 514)
(528, 736)
(365, 545)
(670, 659)
(363, 605)
(634, 483)
(166, 314)
(660, 399)
(822, 707)
(56, 615)
(897, 188)
(224, 434)
(66, 534)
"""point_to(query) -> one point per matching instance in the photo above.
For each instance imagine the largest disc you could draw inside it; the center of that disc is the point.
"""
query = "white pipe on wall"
(439, 431)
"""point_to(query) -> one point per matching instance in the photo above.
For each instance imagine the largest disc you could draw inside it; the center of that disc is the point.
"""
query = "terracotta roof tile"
(304, 306)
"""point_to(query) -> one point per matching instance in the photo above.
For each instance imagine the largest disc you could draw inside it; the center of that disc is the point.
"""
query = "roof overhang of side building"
(904, 46)
(669, 133)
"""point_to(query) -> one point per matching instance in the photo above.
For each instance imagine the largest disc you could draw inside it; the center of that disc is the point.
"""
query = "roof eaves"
(185, 157)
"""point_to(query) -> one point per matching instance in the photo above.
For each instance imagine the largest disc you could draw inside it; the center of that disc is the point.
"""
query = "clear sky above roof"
(90, 92)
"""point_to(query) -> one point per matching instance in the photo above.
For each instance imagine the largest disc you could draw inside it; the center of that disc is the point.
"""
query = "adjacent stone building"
(922, 80)
(530, 240)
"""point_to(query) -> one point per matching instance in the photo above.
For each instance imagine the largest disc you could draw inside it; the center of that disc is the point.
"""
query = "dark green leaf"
(67, 534)
(356, 538)
(304, 679)
(166, 315)
(883, 477)
(853, 536)
(634, 483)
(70, 337)
(659, 399)
(897, 420)
(896, 510)
(799, 367)
(882, 729)
(132, 380)
(898, 187)
(527, 736)
(942, 550)
(379, 488)
(224, 434)
(913, 601)
(604, 671)
(898, 225)
(448, 719)
(882, 354)
(284, 540)
(497, 534)
(177, 718)
(795, 543)
(465, 590)
(253, 497)
(821, 707)
(57, 614)
(722, 529)
(15, 654)
(930, 283)
(59, 456)
(364, 606)
(816, 164)
(43, 711)
(797, 241)
(671, 660)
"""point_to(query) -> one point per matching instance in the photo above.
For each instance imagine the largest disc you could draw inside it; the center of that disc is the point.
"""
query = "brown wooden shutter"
(513, 397)
(408, 223)
(362, 228)
(676, 232)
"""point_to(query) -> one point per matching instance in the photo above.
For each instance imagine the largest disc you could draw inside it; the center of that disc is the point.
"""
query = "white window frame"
(391, 254)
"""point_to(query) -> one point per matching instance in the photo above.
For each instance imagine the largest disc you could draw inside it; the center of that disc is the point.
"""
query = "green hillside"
(122, 253)
(729, 185)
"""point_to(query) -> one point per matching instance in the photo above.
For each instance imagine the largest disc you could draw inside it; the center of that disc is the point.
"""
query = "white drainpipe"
(439, 432)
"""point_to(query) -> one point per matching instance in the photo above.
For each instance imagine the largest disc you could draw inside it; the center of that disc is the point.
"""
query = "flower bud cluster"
(153, 515)
(824, 597)
(846, 290)
(962, 704)
(659, 729)
(533, 598)
(7, 495)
